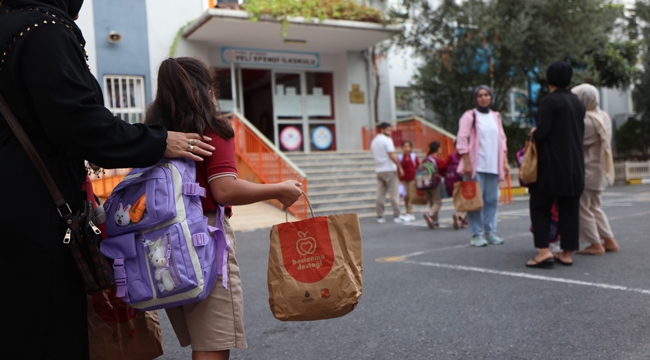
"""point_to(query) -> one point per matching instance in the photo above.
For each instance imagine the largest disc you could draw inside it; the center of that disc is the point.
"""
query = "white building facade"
(307, 90)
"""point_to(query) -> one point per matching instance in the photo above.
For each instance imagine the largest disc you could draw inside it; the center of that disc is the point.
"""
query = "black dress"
(46, 81)
(561, 168)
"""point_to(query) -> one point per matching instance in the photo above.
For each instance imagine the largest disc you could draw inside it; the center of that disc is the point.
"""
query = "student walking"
(434, 196)
(187, 100)
(388, 170)
(409, 162)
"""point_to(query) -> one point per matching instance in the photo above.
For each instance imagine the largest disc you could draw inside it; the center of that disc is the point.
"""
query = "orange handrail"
(103, 184)
(419, 132)
(266, 161)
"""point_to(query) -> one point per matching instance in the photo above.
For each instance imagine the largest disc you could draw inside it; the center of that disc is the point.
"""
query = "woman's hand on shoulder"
(288, 192)
(187, 145)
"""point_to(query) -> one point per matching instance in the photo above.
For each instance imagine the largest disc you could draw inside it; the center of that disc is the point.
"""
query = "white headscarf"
(590, 98)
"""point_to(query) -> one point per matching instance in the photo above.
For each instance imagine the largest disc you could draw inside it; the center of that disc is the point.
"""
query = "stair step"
(314, 173)
(358, 199)
(341, 180)
(306, 167)
(345, 192)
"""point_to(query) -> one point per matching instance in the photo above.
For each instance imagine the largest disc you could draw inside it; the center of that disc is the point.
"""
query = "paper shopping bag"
(418, 197)
(467, 196)
(528, 169)
(315, 268)
(122, 332)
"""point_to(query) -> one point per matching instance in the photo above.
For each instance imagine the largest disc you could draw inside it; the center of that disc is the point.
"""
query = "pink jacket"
(468, 143)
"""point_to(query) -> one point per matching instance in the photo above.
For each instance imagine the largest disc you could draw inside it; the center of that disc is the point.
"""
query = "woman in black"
(46, 81)
(561, 168)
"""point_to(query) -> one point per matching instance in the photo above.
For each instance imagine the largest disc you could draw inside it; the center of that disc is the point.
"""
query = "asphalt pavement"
(428, 295)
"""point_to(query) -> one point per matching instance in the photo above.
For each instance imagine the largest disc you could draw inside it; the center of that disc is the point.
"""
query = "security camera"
(114, 37)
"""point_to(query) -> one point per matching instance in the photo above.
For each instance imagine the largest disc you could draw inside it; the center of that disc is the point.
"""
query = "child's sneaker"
(381, 220)
(494, 240)
(411, 217)
(428, 219)
(478, 240)
(399, 219)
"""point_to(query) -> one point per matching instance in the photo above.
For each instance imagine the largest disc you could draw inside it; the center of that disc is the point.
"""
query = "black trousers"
(569, 220)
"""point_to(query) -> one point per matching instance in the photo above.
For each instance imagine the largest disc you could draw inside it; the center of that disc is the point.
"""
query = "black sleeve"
(57, 80)
(545, 119)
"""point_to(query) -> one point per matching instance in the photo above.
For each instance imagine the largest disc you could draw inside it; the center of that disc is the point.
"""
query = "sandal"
(558, 260)
(546, 264)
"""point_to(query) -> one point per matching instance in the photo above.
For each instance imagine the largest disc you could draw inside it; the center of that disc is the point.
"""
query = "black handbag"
(82, 235)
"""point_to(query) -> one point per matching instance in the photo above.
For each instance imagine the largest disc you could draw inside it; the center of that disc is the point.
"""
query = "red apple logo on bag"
(305, 245)
(468, 189)
(307, 251)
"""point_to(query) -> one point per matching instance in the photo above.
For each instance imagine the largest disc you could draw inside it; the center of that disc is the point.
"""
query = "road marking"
(401, 258)
(528, 276)
(628, 216)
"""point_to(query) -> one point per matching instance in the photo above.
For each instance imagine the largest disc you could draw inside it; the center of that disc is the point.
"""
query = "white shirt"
(488, 151)
(381, 146)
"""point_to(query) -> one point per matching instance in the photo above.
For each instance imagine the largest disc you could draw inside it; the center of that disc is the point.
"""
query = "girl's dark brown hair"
(183, 100)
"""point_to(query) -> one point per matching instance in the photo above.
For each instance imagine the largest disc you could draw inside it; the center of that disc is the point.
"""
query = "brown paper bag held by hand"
(418, 196)
(528, 170)
(467, 196)
(122, 332)
(315, 268)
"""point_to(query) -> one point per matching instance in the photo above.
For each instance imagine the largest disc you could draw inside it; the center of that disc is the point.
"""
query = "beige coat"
(599, 164)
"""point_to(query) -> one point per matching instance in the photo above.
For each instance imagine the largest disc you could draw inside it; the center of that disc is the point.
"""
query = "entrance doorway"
(293, 109)
(257, 99)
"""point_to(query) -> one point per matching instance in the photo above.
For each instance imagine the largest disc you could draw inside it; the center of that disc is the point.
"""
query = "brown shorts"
(217, 322)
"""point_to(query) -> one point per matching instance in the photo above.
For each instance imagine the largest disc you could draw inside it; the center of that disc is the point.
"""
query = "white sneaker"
(399, 220)
(478, 241)
(411, 217)
(381, 220)
(405, 217)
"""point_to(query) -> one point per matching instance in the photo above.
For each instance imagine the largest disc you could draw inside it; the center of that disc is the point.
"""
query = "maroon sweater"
(409, 167)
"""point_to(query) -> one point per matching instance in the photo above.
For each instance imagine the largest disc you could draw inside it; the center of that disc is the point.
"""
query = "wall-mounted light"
(114, 36)
(295, 42)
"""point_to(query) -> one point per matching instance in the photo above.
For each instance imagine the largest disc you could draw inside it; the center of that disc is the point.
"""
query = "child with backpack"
(409, 162)
(187, 99)
(451, 177)
(433, 194)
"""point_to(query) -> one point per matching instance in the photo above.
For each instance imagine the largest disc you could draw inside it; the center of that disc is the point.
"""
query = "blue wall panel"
(131, 55)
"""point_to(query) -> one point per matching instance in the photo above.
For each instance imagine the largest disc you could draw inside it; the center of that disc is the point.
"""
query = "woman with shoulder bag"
(560, 168)
(481, 142)
(57, 101)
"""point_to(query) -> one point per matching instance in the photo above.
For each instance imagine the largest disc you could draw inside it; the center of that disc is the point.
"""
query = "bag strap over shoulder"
(18, 130)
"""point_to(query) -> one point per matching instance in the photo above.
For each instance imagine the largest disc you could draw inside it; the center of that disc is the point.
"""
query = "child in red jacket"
(409, 162)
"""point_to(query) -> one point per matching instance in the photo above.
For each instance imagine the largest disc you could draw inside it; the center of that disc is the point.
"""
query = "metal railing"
(268, 163)
(632, 170)
(417, 130)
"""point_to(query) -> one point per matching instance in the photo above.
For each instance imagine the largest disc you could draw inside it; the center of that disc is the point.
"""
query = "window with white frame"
(124, 96)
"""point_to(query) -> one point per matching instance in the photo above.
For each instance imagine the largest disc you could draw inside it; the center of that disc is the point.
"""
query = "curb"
(638, 181)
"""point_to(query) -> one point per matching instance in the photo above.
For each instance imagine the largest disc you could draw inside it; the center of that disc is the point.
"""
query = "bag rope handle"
(286, 209)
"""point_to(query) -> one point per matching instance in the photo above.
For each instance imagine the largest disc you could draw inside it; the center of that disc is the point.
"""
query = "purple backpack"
(159, 240)
(451, 176)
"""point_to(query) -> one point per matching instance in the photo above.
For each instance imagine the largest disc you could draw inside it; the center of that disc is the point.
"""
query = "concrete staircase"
(341, 182)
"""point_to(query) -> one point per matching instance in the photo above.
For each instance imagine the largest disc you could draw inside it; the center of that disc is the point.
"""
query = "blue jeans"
(485, 220)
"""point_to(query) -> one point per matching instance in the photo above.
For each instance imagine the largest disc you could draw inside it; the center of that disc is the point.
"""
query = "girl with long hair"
(187, 99)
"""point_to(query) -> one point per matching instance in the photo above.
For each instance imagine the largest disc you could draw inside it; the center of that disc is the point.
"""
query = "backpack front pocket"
(141, 202)
(132, 275)
(169, 261)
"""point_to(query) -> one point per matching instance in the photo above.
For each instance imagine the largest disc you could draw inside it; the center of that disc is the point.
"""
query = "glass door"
(288, 111)
(303, 111)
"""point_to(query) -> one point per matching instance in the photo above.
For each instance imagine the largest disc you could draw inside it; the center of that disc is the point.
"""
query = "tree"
(640, 131)
(510, 43)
